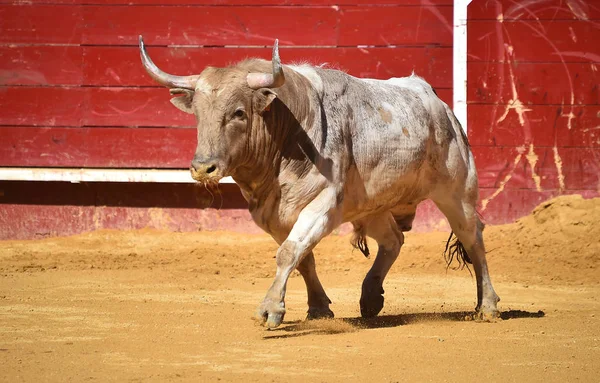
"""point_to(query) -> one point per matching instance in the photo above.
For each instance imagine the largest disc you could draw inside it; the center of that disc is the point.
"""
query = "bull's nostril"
(211, 169)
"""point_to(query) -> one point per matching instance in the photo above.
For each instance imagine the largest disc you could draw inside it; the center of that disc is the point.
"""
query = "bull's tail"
(359, 240)
(456, 250)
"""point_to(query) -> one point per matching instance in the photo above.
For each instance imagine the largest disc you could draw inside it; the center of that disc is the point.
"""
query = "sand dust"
(151, 305)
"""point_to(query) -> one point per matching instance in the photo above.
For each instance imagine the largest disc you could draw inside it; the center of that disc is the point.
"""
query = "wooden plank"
(543, 125)
(97, 147)
(142, 195)
(35, 222)
(538, 168)
(180, 25)
(397, 25)
(167, 25)
(66, 209)
(234, 25)
(121, 66)
(41, 65)
(535, 83)
(533, 41)
(134, 107)
(54, 106)
(509, 10)
(41, 24)
(83, 106)
(113, 65)
(43, 106)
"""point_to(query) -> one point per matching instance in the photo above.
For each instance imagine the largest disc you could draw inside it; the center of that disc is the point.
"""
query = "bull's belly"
(397, 192)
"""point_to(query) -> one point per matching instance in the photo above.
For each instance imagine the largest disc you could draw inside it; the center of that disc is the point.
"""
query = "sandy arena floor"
(157, 306)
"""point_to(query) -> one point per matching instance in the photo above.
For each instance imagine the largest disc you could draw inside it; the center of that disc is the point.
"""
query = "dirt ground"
(157, 306)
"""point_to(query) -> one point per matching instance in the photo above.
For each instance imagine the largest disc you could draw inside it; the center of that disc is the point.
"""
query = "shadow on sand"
(344, 325)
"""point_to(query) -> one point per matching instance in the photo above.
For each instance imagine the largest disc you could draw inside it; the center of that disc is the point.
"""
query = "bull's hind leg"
(383, 229)
(318, 301)
(467, 227)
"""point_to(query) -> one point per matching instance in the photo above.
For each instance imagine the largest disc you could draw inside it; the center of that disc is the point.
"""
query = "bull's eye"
(239, 113)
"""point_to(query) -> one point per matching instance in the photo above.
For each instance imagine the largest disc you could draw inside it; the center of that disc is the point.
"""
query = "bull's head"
(226, 103)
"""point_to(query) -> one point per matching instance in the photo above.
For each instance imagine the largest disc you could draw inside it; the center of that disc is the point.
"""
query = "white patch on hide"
(311, 74)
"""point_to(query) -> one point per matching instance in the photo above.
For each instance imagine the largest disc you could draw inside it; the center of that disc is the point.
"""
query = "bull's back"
(394, 141)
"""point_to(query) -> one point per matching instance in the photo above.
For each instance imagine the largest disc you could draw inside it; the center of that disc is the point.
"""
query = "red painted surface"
(117, 65)
(533, 41)
(545, 125)
(533, 102)
(66, 209)
(527, 167)
(535, 83)
(87, 106)
(396, 25)
(73, 93)
(540, 10)
(232, 25)
(97, 147)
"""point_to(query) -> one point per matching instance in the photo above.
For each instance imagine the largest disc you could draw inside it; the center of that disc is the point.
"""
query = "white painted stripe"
(459, 62)
(76, 175)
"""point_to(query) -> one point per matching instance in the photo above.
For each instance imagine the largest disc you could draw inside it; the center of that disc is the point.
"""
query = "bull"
(312, 148)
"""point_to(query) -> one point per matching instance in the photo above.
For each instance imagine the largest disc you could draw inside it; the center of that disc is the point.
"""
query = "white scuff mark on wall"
(518, 106)
(532, 158)
(514, 103)
(573, 35)
(579, 9)
(507, 178)
(594, 128)
(510, 49)
(570, 116)
(558, 163)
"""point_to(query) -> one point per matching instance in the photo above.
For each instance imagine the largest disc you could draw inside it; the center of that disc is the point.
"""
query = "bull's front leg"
(314, 222)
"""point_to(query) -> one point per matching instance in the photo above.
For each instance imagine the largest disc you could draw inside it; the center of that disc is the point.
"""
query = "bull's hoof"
(269, 315)
(486, 316)
(319, 313)
(371, 303)
(274, 320)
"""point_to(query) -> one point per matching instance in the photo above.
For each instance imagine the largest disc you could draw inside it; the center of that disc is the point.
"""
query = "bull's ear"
(184, 102)
(263, 99)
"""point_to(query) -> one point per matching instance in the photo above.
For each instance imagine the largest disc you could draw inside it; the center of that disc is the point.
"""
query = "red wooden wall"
(73, 94)
(533, 101)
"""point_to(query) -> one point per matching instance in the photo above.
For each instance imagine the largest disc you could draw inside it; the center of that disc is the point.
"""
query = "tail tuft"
(359, 241)
(455, 249)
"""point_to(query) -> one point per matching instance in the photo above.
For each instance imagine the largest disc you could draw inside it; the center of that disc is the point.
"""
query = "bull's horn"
(268, 80)
(168, 80)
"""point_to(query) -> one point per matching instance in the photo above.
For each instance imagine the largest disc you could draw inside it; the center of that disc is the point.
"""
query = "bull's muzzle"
(204, 170)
